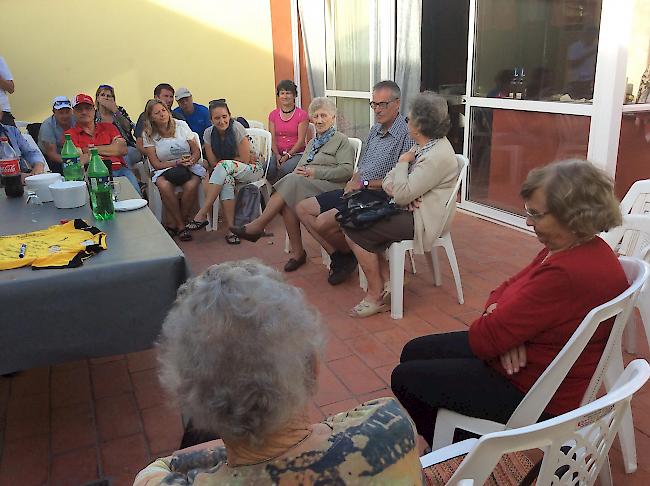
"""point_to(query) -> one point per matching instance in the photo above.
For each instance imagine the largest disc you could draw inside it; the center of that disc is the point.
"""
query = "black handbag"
(361, 209)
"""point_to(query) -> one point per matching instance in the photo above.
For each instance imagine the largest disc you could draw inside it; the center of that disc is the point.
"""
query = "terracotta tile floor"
(77, 422)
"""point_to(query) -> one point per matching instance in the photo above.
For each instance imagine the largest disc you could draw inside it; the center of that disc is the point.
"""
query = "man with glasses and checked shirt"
(387, 140)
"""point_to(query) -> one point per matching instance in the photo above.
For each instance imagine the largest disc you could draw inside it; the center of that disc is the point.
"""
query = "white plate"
(130, 204)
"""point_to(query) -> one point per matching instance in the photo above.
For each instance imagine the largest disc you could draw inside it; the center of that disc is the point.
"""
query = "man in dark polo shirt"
(165, 93)
(387, 140)
(104, 136)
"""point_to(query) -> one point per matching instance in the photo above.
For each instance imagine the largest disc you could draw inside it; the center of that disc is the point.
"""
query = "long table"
(114, 303)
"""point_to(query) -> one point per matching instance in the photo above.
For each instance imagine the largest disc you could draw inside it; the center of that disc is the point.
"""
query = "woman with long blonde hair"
(175, 155)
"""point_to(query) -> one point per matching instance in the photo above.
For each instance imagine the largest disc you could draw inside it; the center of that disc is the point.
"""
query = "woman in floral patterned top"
(240, 351)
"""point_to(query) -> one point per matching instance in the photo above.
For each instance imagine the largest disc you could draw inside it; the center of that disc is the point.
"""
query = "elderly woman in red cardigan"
(486, 371)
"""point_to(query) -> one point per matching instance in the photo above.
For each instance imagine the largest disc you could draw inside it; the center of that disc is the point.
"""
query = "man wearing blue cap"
(50, 136)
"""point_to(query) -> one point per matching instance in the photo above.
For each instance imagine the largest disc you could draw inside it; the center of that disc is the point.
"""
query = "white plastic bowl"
(69, 194)
(40, 184)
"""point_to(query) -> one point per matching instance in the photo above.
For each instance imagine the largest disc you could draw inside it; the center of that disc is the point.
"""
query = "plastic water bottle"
(99, 186)
(10, 169)
(72, 170)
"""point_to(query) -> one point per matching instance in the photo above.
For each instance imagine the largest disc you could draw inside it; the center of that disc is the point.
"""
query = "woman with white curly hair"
(240, 351)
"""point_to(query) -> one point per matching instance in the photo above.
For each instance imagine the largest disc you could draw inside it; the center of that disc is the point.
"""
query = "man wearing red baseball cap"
(104, 136)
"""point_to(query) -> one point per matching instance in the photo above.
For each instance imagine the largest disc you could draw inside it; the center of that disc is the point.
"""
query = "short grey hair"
(238, 351)
(430, 114)
(324, 103)
(389, 85)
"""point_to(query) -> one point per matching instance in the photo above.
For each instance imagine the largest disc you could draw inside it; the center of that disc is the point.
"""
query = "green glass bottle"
(101, 196)
(72, 170)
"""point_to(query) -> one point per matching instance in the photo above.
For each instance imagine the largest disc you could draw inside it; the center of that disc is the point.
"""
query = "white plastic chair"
(588, 432)
(155, 202)
(356, 145)
(397, 251)
(256, 124)
(632, 238)
(637, 199)
(608, 370)
(263, 143)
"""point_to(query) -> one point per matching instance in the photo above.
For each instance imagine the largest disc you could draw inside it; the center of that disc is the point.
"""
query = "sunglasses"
(105, 86)
(220, 100)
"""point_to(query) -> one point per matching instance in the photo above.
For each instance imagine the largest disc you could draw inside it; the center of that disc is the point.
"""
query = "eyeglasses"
(381, 104)
(220, 100)
(534, 215)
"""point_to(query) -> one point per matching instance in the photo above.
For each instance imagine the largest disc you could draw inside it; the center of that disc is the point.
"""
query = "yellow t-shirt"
(59, 246)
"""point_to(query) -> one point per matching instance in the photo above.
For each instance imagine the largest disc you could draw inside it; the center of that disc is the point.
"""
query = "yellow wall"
(216, 48)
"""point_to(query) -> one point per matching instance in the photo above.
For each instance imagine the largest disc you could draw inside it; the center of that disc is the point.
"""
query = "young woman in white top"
(174, 154)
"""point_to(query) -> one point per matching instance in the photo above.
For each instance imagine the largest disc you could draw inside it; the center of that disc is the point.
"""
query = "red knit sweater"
(541, 307)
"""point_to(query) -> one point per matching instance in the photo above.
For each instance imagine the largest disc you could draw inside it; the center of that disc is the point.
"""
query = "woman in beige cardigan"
(325, 166)
(421, 182)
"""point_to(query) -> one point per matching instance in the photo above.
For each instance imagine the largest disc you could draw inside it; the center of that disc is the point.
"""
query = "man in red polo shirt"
(104, 136)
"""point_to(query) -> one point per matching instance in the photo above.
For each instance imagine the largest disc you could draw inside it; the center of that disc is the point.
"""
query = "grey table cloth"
(115, 303)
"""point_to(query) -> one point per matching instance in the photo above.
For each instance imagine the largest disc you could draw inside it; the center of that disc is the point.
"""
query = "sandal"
(232, 239)
(185, 235)
(366, 309)
(171, 231)
(241, 232)
(385, 295)
(196, 225)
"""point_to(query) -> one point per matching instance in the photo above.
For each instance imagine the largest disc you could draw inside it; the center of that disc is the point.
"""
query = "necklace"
(272, 458)
(573, 245)
(289, 111)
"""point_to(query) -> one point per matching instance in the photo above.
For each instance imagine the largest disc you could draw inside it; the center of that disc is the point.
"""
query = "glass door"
(531, 71)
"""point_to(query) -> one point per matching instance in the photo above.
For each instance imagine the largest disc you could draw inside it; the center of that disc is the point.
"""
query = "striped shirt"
(383, 148)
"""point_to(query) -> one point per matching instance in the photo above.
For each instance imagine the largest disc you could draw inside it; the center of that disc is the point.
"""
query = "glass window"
(347, 45)
(536, 49)
(353, 117)
(633, 148)
(638, 67)
(506, 144)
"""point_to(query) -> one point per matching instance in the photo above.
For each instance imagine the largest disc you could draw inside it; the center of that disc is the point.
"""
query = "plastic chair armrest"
(446, 453)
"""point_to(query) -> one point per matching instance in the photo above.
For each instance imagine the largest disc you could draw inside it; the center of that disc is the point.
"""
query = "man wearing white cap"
(197, 116)
(50, 136)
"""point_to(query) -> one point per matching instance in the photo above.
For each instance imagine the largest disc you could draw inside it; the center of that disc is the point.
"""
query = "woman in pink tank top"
(288, 125)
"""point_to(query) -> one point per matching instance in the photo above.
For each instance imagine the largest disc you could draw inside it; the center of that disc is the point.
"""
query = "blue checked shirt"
(28, 155)
(382, 149)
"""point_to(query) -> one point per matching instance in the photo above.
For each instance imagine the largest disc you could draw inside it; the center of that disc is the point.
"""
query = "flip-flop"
(232, 239)
(196, 225)
(366, 309)
(185, 235)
